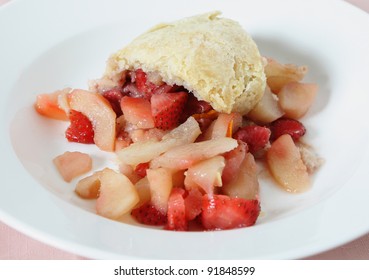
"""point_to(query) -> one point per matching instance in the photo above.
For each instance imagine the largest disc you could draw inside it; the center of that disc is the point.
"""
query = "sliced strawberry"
(80, 129)
(176, 214)
(114, 96)
(205, 120)
(141, 168)
(140, 79)
(143, 85)
(256, 137)
(166, 109)
(287, 126)
(195, 106)
(223, 212)
(147, 214)
(204, 123)
(199, 106)
(193, 203)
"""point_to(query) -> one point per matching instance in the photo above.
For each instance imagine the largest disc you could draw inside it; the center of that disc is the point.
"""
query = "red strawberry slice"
(223, 212)
(140, 79)
(193, 204)
(287, 126)
(114, 96)
(147, 214)
(176, 214)
(166, 109)
(255, 136)
(141, 168)
(143, 85)
(80, 129)
(195, 106)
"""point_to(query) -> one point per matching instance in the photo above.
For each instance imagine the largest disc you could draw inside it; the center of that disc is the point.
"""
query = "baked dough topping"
(212, 57)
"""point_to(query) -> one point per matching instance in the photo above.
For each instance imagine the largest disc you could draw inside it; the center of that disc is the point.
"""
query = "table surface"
(15, 245)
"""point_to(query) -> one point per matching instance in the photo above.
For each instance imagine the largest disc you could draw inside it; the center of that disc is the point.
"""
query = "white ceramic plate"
(49, 45)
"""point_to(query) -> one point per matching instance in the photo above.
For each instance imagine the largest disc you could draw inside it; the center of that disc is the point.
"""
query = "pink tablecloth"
(15, 245)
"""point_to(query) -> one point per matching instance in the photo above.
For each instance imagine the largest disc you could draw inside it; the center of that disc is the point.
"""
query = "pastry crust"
(210, 56)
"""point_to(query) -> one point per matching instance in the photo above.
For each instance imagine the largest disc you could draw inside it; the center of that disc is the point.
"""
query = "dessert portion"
(211, 57)
(189, 108)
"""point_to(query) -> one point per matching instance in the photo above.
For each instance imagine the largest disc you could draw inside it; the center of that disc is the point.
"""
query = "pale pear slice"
(296, 99)
(161, 185)
(278, 74)
(118, 195)
(286, 166)
(89, 186)
(246, 184)
(267, 109)
(72, 164)
(47, 104)
(145, 151)
(184, 156)
(223, 126)
(206, 174)
(143, 190)
(98, 110)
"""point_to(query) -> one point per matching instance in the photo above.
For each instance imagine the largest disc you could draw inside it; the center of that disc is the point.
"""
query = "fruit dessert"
(189, 108)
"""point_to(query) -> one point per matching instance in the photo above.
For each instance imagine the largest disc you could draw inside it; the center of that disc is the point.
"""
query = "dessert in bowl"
(190, 108)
